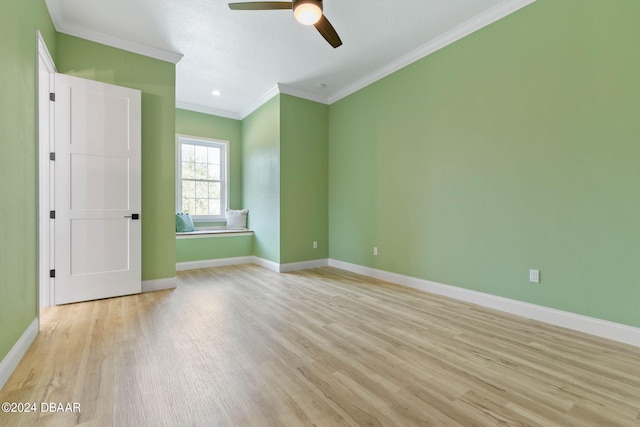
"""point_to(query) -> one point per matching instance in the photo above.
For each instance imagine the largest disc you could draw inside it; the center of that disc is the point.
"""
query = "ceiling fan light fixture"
(307, 12)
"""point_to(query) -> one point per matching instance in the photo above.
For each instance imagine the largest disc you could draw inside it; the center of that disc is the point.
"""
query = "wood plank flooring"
(243, 346)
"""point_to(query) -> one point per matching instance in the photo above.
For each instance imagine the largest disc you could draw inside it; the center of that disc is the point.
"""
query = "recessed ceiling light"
(216, 93)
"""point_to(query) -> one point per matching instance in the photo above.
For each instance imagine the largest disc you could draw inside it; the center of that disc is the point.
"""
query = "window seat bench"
(213, 233)
(206, 248)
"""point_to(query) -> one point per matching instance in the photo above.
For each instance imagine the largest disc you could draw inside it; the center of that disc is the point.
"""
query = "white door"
(97, 190)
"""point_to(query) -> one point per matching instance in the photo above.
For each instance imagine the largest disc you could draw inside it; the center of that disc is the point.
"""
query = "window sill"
(213, 233)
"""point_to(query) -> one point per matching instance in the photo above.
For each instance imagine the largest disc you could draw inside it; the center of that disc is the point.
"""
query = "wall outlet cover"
(534, 276)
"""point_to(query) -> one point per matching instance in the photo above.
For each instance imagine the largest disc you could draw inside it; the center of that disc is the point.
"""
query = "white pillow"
(237, 219)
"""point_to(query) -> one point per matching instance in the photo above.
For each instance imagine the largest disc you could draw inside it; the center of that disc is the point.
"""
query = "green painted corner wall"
(261, 177)
(281, 175)
(513, 148)
(156, 80)
(19, 21)
(209, 126)
(304, 157)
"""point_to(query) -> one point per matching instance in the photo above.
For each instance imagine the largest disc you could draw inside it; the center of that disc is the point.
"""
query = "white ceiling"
(247, 54)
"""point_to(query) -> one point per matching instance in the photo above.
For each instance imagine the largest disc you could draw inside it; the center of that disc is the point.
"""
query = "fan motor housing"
(297, 3)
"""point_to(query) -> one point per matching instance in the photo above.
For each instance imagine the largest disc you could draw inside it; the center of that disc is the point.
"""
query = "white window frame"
(224, 175)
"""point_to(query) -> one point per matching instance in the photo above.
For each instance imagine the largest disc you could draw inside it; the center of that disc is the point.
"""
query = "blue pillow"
(184, 223)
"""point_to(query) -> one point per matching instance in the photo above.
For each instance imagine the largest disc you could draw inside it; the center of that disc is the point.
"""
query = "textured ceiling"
(245, 54)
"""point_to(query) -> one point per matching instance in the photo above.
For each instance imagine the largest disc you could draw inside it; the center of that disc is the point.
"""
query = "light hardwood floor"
(243, 346)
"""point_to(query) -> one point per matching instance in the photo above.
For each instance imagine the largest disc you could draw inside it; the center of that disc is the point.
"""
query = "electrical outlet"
(534, 276)
(375, 250)
(315, 245)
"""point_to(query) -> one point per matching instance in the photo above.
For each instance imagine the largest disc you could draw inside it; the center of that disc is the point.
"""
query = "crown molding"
(118, 43)
(266, 97)
(208, 110)
(57, 17)
(472, 25)
(288, 90)
(284, 89)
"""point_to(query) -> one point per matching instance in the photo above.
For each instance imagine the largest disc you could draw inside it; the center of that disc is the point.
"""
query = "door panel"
(97, 190)
(99, 182)
(100, 122)
(99, 258)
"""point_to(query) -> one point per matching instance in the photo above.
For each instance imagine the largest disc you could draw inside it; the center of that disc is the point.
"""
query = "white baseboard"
(303, 265)
(221, 262)
(270, 265)
(17, 352)
(601, 328)
(293, 266)
(158, 284)
(208, 263)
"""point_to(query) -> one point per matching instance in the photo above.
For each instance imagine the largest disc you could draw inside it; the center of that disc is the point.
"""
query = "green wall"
(19, 20)
(285, 166)
(261, 177)
(208, 126)
(514, 148)
(156, 80)
(304, 151)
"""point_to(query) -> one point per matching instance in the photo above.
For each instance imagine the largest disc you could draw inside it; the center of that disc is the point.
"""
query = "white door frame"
(45, 72)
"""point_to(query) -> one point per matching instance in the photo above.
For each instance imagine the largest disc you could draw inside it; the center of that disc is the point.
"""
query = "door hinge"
(52, 97)
(52, 273)
(52, 214)
(52, 156)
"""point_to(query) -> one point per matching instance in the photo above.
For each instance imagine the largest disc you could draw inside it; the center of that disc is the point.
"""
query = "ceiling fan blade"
(262, 5)
(325, 28)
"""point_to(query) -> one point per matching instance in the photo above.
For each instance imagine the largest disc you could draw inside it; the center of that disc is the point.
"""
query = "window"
(201, 178)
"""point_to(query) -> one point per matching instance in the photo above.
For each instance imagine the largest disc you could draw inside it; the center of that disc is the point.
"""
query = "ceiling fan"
(307, 12)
